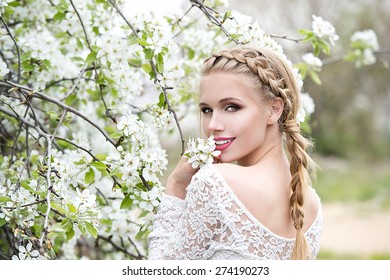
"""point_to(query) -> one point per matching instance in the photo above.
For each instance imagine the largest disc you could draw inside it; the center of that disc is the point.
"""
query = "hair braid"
(275, 79)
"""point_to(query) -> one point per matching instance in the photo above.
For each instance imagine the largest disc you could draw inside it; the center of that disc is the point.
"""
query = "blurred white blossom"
(364, 44)
(307, 107)
(368, 38)
(324, 29)
(312, 61)
(3, 68)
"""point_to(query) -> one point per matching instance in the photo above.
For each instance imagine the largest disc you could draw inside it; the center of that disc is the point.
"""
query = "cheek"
(205, 125)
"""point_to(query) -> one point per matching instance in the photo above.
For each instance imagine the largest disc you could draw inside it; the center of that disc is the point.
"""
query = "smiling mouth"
(222, 144)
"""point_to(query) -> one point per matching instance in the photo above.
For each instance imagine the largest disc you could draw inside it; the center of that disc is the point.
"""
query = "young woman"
(257, 201)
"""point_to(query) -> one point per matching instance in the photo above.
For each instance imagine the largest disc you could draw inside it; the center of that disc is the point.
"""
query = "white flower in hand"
(201, 151)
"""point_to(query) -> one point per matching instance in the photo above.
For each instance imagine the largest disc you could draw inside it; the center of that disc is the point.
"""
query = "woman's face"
(233, 111)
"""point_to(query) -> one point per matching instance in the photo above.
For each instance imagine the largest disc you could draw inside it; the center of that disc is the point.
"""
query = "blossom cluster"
(3, 4)
(324, 29)
(364, 44)
(201, 151)
(143, 155)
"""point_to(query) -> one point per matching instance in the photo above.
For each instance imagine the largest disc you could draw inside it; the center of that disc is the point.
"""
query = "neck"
(271, 149)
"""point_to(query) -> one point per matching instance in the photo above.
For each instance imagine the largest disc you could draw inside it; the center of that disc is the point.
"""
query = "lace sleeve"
(185, 229)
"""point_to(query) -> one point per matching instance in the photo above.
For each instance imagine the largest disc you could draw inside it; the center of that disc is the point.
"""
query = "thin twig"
(119, 248)
(17, 49)
(93, 64)
(206, 10)
(31, 93)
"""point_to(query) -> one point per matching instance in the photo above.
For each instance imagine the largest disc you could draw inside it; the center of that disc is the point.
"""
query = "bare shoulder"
(244, 180)
(313, 204)
(230, 172)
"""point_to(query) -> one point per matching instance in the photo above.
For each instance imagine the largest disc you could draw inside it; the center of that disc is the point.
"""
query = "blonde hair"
(275, 79)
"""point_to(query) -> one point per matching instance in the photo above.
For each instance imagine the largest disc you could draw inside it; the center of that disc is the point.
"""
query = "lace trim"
(256, 221)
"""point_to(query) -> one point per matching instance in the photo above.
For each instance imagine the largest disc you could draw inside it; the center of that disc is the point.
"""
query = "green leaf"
(101, 156)
(226, 16)
(71, 208)
(116, 172)
(148, 54)
(142, 42)
(314, 76)
(66, 224)
(91, 229)
(89, 176)
(53, 115)
(83, 229)
(142, 233)
(143, 214)
(160, 63)
(147, 68)
(2, 222)
(91, 57)
(99, 165)
(126, 202)
(14, 4)
(80, 162)
(69, 234)
(116, 135)
(191, 53)
(57, 207)
(161, 101)
(70, 99)
(5, 199)
(59, 16)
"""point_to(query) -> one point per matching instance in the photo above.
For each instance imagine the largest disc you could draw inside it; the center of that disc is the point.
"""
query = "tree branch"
(31, 93)
(119, 248)
(17, 49)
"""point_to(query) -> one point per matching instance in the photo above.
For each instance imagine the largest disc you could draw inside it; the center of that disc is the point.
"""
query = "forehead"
(220, 85)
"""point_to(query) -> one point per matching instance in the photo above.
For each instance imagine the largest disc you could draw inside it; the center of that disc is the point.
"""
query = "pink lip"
(224, 146)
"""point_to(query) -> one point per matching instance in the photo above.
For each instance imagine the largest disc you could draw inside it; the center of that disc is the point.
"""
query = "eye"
(205, 110)
(232, 108)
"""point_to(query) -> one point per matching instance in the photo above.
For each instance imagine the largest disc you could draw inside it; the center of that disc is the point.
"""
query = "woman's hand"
(180, 178)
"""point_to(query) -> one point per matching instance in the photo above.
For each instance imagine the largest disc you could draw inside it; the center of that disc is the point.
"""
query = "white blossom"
(314, 62)
(368, 38)
(25, 253)
(324, 29)
(201, 151)
(3, 68)
(307, 107)
(364, 44)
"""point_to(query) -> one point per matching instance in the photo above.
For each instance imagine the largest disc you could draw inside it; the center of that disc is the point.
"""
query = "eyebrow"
(224, 100)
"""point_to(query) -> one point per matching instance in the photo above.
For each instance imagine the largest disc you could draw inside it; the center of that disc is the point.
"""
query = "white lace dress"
(212, 223)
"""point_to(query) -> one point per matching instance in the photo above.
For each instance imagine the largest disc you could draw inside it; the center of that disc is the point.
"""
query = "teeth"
(222, 142)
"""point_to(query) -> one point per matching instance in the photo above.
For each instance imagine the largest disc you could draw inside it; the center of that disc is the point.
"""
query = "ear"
(275, 110)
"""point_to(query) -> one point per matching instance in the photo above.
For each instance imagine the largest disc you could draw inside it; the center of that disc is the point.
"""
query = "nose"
(215, 123)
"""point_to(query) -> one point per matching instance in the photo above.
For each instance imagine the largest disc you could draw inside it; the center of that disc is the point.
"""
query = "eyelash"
(235, 108)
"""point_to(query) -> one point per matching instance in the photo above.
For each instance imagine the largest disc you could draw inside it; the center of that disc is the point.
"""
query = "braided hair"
(275, 79)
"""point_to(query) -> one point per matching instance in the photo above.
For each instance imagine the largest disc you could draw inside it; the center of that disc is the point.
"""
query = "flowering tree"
(85, 94)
